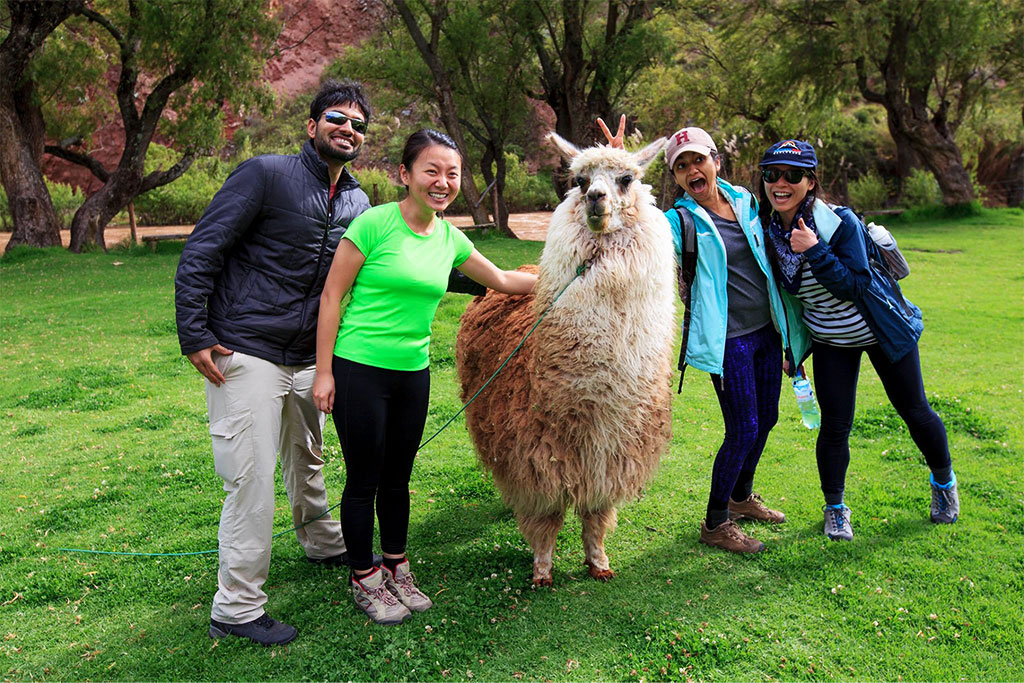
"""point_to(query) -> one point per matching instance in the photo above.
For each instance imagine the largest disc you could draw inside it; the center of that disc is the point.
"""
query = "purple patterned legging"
(748, 392)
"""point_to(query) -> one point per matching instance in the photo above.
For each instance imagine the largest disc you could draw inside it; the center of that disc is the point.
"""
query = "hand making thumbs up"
(802, 238)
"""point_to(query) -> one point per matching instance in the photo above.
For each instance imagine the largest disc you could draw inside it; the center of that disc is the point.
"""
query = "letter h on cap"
(682, 136)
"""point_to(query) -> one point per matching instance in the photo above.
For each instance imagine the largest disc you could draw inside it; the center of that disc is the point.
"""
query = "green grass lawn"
(104, 445)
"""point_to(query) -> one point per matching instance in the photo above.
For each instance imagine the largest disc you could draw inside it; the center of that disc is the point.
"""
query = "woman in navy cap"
(850, 304)
(736, 317)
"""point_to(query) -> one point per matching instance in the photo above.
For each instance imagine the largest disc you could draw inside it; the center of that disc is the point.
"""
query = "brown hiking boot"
(728, 536)
(754, 508)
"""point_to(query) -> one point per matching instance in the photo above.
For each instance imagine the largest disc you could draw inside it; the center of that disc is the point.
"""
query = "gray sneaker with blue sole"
(837, 522)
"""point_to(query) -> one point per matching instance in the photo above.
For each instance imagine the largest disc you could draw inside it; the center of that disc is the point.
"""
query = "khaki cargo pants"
(262, 409)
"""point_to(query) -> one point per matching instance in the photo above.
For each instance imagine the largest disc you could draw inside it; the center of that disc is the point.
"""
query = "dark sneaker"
(945, 501)
(373, 597)
(402, 587)
(341, 560)
(264, 630)
(837, 522)
(728, 536)
(754, 508)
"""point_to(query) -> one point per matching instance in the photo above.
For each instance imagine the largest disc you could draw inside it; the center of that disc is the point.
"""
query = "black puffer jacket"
(252, 271)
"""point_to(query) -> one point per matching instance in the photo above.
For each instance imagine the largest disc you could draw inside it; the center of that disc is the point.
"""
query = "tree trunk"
(35, 221)
(443, 92)
(495, 156)
(97, 211)
(941, 156)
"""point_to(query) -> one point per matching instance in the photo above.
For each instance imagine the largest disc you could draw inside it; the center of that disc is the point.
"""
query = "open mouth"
(698, 185)
(781, 196)
(439, 196)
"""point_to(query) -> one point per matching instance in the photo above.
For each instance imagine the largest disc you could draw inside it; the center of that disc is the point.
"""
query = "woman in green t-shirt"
(395, 259)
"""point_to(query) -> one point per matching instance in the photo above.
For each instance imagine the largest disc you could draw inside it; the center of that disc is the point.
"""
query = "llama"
(580, 416)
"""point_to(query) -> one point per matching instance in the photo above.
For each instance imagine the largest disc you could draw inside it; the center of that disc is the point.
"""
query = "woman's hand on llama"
(481, 270)
(617, 139)
(323, 392)
(802, 238)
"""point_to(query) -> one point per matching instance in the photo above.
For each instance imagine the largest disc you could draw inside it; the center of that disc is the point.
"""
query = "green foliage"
(6, 223)
(386, 191)
(921, 189)
(66, 200)
(184, 200)
(938, 212)
(279, 131)
(868, 192)
(526, 192)
(906, 599)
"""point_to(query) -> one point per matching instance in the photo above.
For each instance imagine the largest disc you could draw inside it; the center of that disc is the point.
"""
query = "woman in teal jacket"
(736, 331)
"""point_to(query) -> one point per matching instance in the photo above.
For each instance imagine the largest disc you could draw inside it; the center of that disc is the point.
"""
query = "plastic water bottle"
(805, 401)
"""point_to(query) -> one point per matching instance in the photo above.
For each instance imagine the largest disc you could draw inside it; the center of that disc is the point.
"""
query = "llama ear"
(564, 147)
(644, 157)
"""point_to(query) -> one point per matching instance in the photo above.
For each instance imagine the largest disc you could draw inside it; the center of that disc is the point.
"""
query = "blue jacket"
(840, 261)
(709, 305)
(252, 271)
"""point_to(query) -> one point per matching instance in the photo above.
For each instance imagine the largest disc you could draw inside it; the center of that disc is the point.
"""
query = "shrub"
(944, 212)
(387, 191)
(868, 192)
(183, 200)
(921, 189)
(66, 200)
(5, 214)
(525, 192)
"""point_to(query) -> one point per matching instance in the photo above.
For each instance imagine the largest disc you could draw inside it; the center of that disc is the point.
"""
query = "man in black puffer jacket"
(247, 295)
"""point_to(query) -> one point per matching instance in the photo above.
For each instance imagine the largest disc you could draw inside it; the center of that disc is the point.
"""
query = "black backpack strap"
(685, 274)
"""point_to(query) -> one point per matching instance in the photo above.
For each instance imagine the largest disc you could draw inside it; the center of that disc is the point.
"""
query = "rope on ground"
(579, 272)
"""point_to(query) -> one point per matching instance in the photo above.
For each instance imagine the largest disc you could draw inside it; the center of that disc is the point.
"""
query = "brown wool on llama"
(581, 415)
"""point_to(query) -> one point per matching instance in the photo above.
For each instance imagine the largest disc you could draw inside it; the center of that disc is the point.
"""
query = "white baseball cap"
(689, 140)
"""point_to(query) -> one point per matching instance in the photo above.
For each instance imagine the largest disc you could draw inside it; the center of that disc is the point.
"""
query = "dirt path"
(527, 226)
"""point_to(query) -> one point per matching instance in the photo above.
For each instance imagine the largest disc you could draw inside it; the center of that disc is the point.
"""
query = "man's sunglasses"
(339, 119)
(792, 175)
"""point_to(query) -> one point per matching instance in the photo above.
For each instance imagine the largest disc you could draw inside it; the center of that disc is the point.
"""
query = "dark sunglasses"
(339, 119)
(792, 175)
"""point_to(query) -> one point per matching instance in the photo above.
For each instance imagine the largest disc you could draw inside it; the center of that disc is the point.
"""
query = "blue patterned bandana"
(790, 263)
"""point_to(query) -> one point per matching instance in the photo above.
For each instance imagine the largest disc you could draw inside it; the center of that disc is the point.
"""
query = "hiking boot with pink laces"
(401, 585)
(754, 508)
(729, 536)
(373, 597)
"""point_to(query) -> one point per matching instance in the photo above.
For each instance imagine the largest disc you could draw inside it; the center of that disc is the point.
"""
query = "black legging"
(379, 415)
(836, 369)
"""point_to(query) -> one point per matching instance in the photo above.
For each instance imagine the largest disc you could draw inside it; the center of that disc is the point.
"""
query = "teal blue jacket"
(709, 304)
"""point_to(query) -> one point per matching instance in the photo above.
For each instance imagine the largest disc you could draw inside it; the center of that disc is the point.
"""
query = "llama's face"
(604, 192)
(606, 187)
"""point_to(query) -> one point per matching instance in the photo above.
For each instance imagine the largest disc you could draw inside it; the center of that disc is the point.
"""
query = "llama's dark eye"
(581, 181)
(625, 180)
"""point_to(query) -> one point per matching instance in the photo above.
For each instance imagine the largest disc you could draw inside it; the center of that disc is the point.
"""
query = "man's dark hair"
(334, 92)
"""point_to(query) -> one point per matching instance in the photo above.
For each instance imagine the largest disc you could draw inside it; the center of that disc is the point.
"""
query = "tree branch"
(80, 158)
(862, 84)
(158, 178)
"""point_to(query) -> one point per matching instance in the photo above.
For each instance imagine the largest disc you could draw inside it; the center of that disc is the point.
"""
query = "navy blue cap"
(790, 153)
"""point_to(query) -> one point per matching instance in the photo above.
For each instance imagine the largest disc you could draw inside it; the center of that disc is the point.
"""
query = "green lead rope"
(579, 272)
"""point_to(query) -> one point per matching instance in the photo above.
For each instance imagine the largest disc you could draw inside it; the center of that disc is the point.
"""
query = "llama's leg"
(540, 532)
(596, 523)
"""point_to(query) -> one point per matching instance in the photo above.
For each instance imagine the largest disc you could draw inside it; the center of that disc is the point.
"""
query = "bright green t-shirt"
(397, 290)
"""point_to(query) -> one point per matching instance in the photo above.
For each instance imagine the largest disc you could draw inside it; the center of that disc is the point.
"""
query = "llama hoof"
(600, 574)
(542, 582)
